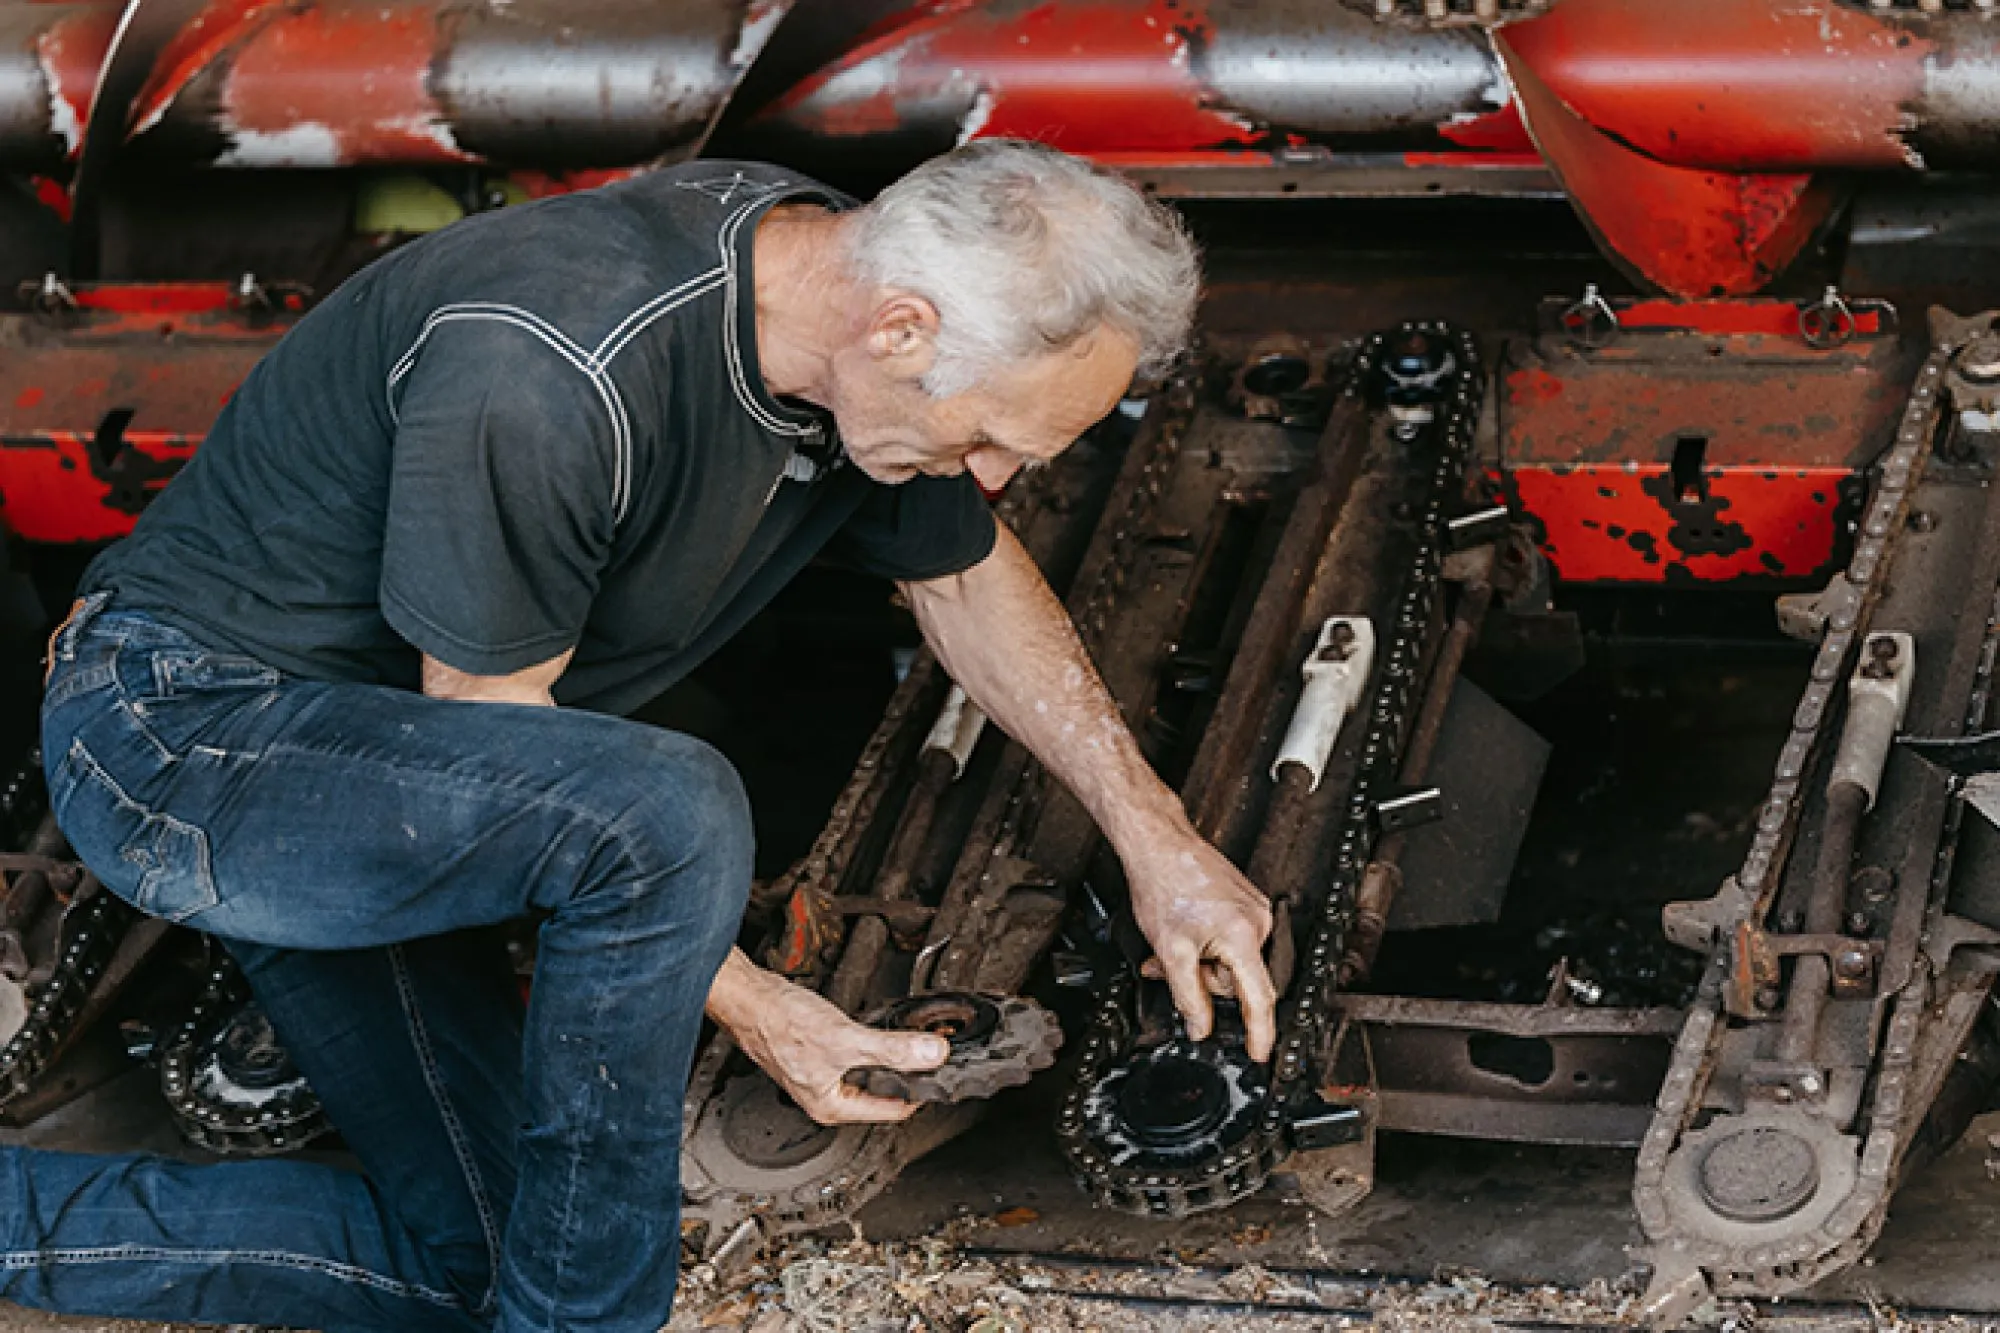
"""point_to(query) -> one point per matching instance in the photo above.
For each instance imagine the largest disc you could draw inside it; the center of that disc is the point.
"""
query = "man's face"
(1024, 413)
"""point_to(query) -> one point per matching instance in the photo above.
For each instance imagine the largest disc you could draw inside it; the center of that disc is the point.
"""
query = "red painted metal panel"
(99, 408)
(1610, 522)
(1688, 232)
(1707, 441)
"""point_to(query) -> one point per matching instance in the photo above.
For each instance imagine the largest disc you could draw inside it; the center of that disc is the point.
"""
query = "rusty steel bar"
(1383, 879)
(848, 988)
(1812, 973)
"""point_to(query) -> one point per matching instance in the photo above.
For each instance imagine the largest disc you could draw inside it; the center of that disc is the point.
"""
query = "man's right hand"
(808, 1045)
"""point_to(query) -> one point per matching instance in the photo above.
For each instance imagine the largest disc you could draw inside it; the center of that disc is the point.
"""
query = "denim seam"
(311, 1263)
(606, 826)
(453, 1129)
(204, 868)
(566, 1237)
(79, 621)
(69, 684)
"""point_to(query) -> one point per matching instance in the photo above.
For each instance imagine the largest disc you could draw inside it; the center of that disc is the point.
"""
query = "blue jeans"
(520, 1170)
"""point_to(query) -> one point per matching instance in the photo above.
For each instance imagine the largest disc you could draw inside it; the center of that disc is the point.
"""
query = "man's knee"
(685, 815)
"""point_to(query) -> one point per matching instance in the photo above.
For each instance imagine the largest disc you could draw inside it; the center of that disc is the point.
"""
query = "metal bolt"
(1859, 923)
(1922, 520)
(1850, 965)
(1767, 997)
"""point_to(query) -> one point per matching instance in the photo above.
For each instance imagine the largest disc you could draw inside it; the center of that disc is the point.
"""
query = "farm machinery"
(1563, 575)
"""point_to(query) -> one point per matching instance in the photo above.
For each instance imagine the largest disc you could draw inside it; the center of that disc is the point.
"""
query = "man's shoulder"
(583, 263)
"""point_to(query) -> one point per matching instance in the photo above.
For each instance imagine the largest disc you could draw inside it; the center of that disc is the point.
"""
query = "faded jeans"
(520, 1170)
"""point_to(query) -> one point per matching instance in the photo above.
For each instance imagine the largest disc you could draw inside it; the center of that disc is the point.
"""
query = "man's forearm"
(1005, 638)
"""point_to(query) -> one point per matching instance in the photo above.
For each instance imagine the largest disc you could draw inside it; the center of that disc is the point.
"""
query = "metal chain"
(1241, 1170)
(90, 933)
(877, 1160)
(274, 1120)
(1834, 1244)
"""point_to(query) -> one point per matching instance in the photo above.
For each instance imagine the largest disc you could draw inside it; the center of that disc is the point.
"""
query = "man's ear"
(903, 334)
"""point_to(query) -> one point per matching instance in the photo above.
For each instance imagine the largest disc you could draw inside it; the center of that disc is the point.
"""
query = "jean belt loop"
(79, 619)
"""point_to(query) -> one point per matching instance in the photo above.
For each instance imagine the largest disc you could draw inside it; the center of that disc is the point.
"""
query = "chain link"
(1797, 1261)
(1239, 1171)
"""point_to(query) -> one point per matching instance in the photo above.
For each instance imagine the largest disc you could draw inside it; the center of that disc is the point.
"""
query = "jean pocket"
(188, 699)
(178, 673)
(175, 879)
(158, 863)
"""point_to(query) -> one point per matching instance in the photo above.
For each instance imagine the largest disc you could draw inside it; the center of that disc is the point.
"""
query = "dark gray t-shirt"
(538, 428)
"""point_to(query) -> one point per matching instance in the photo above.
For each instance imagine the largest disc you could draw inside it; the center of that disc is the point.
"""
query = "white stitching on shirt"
(568, 349)
(595, 365)
(637, 322)
(726, 238)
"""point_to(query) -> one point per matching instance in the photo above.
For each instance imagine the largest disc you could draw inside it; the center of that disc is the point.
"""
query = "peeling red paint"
(204, 39)
(1778, 319)
(1109, 75)
(72, 52)
(1732, 85)
(1614, 523)
(53, 489)
(356, 74)
(69, 470)
(1495, 132)
(1691, 233)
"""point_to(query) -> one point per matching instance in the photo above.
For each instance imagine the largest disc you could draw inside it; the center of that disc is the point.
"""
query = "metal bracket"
(1323, 1124)
(1827, 322)
(50, 296)
(1591, 323)
(1410, 808)
(1481, 527)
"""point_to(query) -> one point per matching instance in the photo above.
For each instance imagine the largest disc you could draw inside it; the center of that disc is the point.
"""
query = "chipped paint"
(759, 22)
(69, 53)
(292, 146)
(1111, 75)
(204, 39)
(976, 118)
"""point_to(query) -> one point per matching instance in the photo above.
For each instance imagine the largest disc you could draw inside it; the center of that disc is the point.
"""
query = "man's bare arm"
(535, 685)
(1005, 638)
(802, 1041)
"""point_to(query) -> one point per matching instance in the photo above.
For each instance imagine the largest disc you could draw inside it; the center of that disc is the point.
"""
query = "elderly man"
(351, 693)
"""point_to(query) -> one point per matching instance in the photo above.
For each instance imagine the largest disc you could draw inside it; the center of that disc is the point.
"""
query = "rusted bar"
(1221, 782)
(1812, 973)
(936, 770)
(1382, 879)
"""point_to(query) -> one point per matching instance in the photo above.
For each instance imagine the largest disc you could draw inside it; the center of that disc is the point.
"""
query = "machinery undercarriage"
(1552, 661)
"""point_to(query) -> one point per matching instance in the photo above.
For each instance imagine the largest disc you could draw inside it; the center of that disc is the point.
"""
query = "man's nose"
(992, 468)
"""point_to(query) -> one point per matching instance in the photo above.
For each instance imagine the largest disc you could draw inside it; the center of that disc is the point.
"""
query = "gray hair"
(1023, 250)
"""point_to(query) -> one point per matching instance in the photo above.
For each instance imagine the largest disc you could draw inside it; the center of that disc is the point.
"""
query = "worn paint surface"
(99, 412)
(1110, 74)
(1707, 441)
(219, 26)
(71, 51)
(1732, 85)
(293, 95)
(1633, 523)
(1685, 231)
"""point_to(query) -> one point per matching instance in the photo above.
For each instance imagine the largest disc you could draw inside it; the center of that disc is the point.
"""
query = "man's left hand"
(1207, 925)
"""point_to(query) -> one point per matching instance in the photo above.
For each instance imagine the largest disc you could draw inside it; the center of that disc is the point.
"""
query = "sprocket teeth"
(1024, 1041)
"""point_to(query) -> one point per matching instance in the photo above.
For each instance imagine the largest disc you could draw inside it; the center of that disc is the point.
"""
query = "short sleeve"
(501, 506)
(924, 528)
